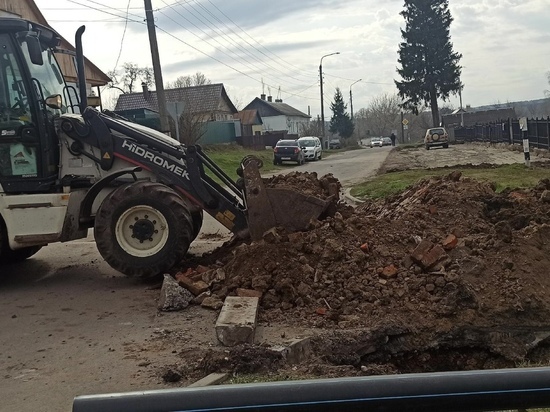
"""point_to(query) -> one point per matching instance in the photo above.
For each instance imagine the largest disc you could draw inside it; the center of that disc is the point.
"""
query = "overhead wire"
(105, 8)
(122, 39)
(106, 12)
(246, 41)
(254, 40)
(225, 64)
(248, 62)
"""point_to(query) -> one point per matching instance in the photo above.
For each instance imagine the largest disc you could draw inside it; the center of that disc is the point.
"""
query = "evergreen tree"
(429, 66)
(340, 122)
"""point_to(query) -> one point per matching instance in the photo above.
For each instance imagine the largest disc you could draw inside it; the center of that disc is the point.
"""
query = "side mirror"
(55, 101)
(35, 50)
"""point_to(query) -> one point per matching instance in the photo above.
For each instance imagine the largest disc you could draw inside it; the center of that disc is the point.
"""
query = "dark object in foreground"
(449, 391)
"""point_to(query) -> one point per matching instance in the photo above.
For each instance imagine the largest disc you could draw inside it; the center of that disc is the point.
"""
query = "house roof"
(205, 98)
(94, 75)
(266, 108)
(248, 117)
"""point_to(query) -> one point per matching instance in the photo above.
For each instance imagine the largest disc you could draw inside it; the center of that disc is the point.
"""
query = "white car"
(376, 142)
(311, 146)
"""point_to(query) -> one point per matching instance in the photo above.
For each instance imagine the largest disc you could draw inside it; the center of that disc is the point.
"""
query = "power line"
(254, 40)
(106, 12)
(104, 9)
(122, 39)
(246, 41)
(248, 62)
(227, 65)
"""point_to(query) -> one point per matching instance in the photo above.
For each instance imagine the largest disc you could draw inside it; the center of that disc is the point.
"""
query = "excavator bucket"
(276, 207)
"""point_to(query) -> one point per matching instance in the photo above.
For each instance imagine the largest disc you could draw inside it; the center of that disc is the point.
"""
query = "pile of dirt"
(446, 264)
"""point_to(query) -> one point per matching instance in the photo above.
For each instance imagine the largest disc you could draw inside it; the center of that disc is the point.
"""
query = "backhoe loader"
(66, 167)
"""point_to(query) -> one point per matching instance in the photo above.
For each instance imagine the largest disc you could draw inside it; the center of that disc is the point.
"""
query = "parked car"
(386, 141)
(311, 146)
(376, 142)
(288, 151)
(436, 136)
(334, 144)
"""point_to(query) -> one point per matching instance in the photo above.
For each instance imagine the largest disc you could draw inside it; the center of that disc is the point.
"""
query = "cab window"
(16, 159)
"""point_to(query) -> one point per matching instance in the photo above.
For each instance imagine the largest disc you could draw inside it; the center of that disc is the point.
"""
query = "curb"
(350, 199)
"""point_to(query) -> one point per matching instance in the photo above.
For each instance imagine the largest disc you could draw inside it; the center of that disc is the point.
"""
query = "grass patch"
(228, 158)
(504, 176)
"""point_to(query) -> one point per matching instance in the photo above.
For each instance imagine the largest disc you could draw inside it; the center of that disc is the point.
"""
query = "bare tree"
(131, 76)
(191, 126)
(197, 79)
(313, 128)
(382, 114)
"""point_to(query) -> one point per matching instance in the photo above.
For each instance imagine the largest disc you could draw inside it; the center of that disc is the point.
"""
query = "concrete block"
(299, 350)
(212, 379)
(236, 323)
(295, 352)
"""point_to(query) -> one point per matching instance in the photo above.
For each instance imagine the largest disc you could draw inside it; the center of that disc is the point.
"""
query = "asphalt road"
(71, 325)
(349, 167)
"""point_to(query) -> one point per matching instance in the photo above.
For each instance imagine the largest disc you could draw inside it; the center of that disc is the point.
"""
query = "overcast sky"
(243, 44)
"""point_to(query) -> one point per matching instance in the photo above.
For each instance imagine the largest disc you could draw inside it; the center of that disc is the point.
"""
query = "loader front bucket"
(272, 207)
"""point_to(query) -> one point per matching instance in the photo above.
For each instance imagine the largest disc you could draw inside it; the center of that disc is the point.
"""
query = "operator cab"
(31, 90)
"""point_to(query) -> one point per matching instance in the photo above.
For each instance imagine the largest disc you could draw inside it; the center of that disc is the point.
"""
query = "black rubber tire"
(7, 255)
(19, 255)
(427, 147)
(197, 217)
(446, 146)
(153, 198)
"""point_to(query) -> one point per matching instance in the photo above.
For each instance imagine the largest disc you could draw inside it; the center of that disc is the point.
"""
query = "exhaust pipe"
(80, 69)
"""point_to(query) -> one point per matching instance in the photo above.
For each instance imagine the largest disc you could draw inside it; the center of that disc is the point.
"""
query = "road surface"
(71, 325)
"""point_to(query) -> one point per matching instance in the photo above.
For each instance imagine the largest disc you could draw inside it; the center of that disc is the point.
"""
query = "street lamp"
(322, 107)
(351, 98)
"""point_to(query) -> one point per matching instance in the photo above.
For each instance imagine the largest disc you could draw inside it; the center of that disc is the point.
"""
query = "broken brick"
(432, 209)
(195, 287)
(364, 247)
(450, 242)
(423, 247)
(321, 311)
(432, 257)
(389, 272)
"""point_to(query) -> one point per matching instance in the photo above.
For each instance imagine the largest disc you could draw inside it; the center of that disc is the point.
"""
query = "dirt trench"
(446, 275)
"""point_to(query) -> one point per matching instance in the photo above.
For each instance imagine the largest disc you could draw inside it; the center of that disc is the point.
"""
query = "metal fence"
(507, 131)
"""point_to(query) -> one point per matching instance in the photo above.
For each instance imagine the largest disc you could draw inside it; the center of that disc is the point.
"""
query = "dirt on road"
(447, 275)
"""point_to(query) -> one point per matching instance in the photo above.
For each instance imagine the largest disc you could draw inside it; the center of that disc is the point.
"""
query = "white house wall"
(290, 123)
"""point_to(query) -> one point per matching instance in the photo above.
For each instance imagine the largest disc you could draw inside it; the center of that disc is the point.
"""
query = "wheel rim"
(142, 231)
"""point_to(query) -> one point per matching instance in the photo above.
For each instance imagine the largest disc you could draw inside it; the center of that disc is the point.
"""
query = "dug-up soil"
(446, 275)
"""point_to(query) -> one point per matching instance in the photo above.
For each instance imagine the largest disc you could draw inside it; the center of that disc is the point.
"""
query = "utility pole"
(351, 99)
(159, 85)
(323, 138)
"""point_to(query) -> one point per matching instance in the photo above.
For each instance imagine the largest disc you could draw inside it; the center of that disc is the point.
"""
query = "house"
(208, 104)
(251, 122)
(278, 116)
(27, 9)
